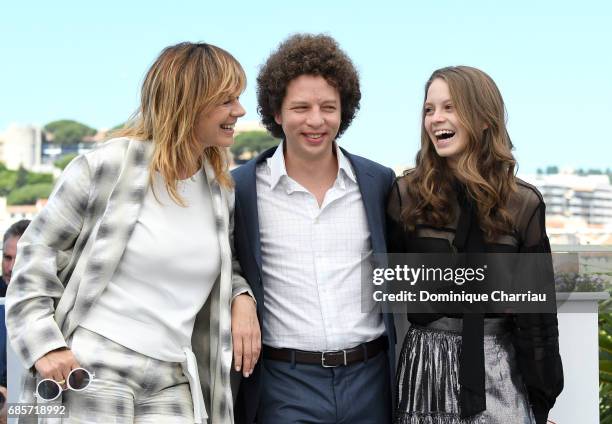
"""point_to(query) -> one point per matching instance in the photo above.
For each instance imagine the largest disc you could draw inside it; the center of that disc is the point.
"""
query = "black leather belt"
(328, 359)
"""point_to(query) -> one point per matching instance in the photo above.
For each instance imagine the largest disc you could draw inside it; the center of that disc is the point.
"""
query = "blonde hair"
(486, 167)
(186, 80)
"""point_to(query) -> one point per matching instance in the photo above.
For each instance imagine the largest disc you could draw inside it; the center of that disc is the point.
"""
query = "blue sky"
(551, 60)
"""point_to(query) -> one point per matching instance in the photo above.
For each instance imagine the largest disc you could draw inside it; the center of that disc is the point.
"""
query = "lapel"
(117, 222)
(218, 196)
(248, 204)
(370, 198)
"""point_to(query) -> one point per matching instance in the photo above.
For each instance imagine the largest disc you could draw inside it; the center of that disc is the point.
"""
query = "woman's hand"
(56, 365)
(3, 410)
(246, 335)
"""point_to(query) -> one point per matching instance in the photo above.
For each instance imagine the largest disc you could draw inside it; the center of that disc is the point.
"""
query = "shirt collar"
(278, 170)
(276, 163)
(344, 164)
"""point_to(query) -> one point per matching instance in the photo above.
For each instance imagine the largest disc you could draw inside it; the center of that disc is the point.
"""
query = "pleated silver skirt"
(428, 376)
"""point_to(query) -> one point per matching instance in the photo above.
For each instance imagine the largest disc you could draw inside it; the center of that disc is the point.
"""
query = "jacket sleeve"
(42, 253)
(239, 284)
(536, 336)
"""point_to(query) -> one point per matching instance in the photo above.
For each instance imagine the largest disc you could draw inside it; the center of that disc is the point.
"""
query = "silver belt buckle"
(324, 365)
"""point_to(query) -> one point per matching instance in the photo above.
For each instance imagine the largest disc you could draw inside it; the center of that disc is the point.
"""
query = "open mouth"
(227, 127)
(442, 135)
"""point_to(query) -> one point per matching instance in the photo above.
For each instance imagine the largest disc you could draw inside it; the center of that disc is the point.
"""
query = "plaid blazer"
(71, 249)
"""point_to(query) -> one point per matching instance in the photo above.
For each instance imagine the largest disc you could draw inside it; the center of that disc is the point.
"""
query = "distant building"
(578, 208)
(52, 152)
(17, 212)
(12, 214)
(21, 145)
(587, 198)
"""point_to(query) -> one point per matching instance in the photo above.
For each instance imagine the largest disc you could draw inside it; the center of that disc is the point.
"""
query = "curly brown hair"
(307, 54)
(486, 167)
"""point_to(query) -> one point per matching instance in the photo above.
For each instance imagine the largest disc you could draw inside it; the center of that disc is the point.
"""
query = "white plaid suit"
(70, 250)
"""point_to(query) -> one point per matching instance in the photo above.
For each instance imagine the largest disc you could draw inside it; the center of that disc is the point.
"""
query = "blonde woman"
(126, 277)
(463, 196)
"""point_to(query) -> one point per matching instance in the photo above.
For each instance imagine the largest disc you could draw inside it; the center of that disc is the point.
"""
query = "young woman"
(127, 272)
(462, 196)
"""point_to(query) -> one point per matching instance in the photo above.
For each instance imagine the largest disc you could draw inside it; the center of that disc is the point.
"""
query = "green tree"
(22, 177)
(63, 162)
(66, 131)
(552, 170)
(14, 180)
(119, 126)
(37, 178)
(28, 194)
(8, 179)
(253, 141)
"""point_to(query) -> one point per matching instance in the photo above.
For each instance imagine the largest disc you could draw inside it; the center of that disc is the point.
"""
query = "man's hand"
(246, 335)
(56, 365)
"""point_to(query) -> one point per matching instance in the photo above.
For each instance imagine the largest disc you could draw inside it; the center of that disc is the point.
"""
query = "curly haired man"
(308, 217)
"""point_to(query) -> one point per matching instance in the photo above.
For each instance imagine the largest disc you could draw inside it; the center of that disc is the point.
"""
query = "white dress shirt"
(312, 259)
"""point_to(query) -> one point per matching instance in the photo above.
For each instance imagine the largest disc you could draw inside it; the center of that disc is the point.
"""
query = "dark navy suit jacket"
(374, 181)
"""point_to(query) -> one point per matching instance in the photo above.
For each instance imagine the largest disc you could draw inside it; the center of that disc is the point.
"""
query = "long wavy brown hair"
(187, 79)
(485, 168)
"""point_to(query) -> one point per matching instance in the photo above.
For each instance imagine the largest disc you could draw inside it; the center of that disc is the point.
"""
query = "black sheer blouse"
(535, 336)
